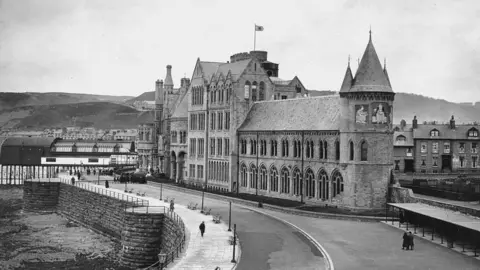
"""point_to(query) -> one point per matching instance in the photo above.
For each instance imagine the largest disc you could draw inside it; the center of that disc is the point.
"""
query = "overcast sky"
(120, 47)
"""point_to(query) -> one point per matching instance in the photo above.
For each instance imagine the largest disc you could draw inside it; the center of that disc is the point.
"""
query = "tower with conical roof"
(366, 141)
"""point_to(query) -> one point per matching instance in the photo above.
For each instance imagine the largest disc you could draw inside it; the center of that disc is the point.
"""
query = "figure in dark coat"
(410, 240)
(73, 180)
(202, 228)
(406, 241)
(172, 206)
(106, 184)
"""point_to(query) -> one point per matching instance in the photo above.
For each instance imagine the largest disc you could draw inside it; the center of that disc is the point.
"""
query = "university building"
(239, 127)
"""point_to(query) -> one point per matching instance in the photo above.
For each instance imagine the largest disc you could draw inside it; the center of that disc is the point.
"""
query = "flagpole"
(254, 36)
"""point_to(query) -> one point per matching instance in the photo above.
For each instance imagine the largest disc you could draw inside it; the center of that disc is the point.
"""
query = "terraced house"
(241, 128)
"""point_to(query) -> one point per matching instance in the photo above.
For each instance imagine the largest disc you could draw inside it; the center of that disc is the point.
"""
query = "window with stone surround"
(424, 161)
(423, 147)
(297, 178)
(473, 132)
(243, 175)
(200, 171)
(309, 151)
(253, 176)
(220, 121)
(337, 150)
(227, 147)
(273, 179)
(446, 147)
(461, 148)
(323, 187)
(243, 144)
(284, 148)
(397, 165)
(273, 148)
(309, 184)
(201, 147)
(434, 133)
(474, 148)
(435, 161)
(352, 150)
(219, 146)
(212, 146)
(435, 147)
(285, 181)
(261, 91)
(462, 162)
(192, 170)
(254, 91)
(475, 162)
(337, 181)
(363, 151)
(263, 177)
(321, 150)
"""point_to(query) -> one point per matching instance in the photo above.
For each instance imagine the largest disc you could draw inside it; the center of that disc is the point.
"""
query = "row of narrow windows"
(218, 94)
(218, 147)
(252, 93)
(182, 135)
(218, 171)
(320, 187)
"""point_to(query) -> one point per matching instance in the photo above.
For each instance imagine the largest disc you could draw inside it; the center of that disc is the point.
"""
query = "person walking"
(406, 241)
(202, 228)
(106, 184)
(410, 242)
(172, 206)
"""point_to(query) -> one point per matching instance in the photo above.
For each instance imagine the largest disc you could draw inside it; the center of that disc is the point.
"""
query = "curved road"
(265, 242)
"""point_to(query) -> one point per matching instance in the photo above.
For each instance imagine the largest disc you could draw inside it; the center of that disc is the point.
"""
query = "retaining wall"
(40, 196)
(142, 235)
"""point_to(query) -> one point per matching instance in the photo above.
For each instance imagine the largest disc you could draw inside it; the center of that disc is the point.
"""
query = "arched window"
(285, 181)
(312, 149)
(284, 148)
(337, 181)
(320, 149)
(247, 90)
(273, 179)
(243, 175)
(254, 91)
(352, 150)
(228, 93)
(263, 178)
(323, 185)
(364, 151)
(325, 149)
(337, 150)
(253, 176)
(310, 184)
(297, 178)
(261, 91)
(434, 133)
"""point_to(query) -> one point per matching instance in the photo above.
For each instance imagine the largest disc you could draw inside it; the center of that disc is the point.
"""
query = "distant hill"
(91, 114)
(145, 96)
(426, 109)
(10, 100)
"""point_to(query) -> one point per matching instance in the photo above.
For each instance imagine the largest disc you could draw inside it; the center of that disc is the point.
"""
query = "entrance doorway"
(446, 163)
(409, 165)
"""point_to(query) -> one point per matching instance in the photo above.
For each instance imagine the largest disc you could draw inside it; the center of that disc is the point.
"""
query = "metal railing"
(175, 251)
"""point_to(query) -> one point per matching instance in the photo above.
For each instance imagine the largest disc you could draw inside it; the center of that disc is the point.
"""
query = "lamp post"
(161, 259)
(161, 188)
(203, 195)
(234, 242)
(230, 216)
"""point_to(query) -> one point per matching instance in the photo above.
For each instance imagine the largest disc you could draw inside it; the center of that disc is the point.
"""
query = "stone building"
(238, 122)
(433, 148)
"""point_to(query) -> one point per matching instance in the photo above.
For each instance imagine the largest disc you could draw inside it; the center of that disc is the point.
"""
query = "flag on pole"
(258, 28)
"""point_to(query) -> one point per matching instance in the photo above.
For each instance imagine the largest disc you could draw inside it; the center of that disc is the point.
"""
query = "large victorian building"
(239, 127)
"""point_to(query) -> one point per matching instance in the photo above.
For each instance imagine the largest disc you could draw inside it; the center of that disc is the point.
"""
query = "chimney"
(414, 122)
(403, 124)
(159, 92)
(168, 78)
(452, 123)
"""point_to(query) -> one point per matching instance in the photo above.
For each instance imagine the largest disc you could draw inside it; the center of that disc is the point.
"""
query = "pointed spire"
(370, 40)
(168, 79)
(348, 79)
(370, 75)
(385, 71)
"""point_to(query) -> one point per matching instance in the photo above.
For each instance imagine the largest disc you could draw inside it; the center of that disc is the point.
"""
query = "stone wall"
(40, 196)
(401, 195)
(97, 211)
(142, 238)
(172, 233)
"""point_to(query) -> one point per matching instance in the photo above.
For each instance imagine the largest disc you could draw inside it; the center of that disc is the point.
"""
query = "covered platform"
(457, 230)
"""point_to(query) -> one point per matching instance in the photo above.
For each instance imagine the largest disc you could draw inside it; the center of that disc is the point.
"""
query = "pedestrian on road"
(172, 204)
(402, 217)
(73, 181)
(106, 184)
(406, 241)
(202, 228)
(410, 242)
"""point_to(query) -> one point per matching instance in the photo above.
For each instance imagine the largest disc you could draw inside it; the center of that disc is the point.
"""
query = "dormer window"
(473, 132)
(434, 133)
(401, 139)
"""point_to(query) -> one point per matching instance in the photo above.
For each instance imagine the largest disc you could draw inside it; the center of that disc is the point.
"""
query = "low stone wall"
(142, 238)
(98, 211)
(401, 195)
(173, 233)
(40, 196)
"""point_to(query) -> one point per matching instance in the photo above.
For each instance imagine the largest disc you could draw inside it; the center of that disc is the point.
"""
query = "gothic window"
(352, 150)
(254, 91)
(228, 93)
(247, 90)
(253, 176)
(261, 91)
(323, 185)
(285, 181)
(310, 184)
(273, 179)
(263, 178)
(297, 179)
(337, 180)
(285, 148)
(312, 149)
(320, 150)
(243, 175)
(325, 150)
(364, 151)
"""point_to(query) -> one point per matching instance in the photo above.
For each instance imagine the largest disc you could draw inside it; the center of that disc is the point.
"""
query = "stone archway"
(173, 166)
(180, 167)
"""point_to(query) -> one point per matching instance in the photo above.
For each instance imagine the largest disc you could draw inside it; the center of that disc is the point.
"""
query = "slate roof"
(29, 141)
(347, 80)
(209, 68)
(445, 132)
(279, 81)
(235, 68)
(181, 111)
(316, 113)
(408, 138)
(370, 76)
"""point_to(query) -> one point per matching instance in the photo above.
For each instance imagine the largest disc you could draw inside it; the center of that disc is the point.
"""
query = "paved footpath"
(201, 253)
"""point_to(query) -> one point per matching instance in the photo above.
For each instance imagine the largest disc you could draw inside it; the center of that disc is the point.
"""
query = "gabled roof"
(29, 141)
(236, 68)
(316, 113)
(370, 76)
(408, 138)
(209, 68)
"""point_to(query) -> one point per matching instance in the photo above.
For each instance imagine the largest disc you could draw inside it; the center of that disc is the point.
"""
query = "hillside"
(145, 96)
(426, 109)
(10, 100)
(91, 114)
